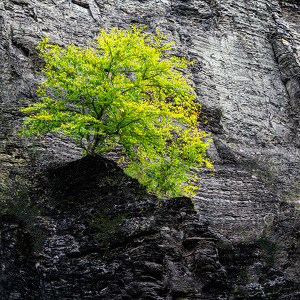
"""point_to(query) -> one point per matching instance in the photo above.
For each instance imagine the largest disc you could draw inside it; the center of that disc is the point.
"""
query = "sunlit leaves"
(124, 90)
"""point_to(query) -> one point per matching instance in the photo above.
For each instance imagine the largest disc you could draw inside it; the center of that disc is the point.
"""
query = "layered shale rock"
(241, 241)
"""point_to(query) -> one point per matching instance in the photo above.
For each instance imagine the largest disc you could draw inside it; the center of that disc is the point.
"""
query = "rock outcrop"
(240, 237)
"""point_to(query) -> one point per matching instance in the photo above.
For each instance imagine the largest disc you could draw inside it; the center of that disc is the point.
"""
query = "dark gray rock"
(241, 242)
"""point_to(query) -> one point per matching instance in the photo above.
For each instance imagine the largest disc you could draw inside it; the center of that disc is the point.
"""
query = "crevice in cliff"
(283, 47)
(216, 11)
(84, 7)
(196, 12)
(284, 50)
(82, 3)
(290, 75)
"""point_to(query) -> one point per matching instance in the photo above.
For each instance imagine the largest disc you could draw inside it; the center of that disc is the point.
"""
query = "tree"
(124, 90)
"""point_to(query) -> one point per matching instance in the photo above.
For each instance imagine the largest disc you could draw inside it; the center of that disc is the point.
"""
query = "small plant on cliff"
(108, 227)
(124, 90)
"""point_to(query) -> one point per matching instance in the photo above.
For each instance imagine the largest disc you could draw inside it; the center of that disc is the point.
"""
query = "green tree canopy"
(124, 90)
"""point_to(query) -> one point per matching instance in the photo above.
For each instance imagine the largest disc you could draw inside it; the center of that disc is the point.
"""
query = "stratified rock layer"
(246, 74)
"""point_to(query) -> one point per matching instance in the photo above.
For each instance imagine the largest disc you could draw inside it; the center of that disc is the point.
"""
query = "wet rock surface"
(242, 239)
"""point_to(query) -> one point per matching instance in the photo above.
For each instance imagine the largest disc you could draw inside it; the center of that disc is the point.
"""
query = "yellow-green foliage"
(124, 91)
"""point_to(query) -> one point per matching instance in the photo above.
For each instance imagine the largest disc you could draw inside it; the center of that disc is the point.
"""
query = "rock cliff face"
(240, 239)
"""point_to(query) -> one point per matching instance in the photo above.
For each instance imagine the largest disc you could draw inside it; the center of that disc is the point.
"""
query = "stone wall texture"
(241, 238)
